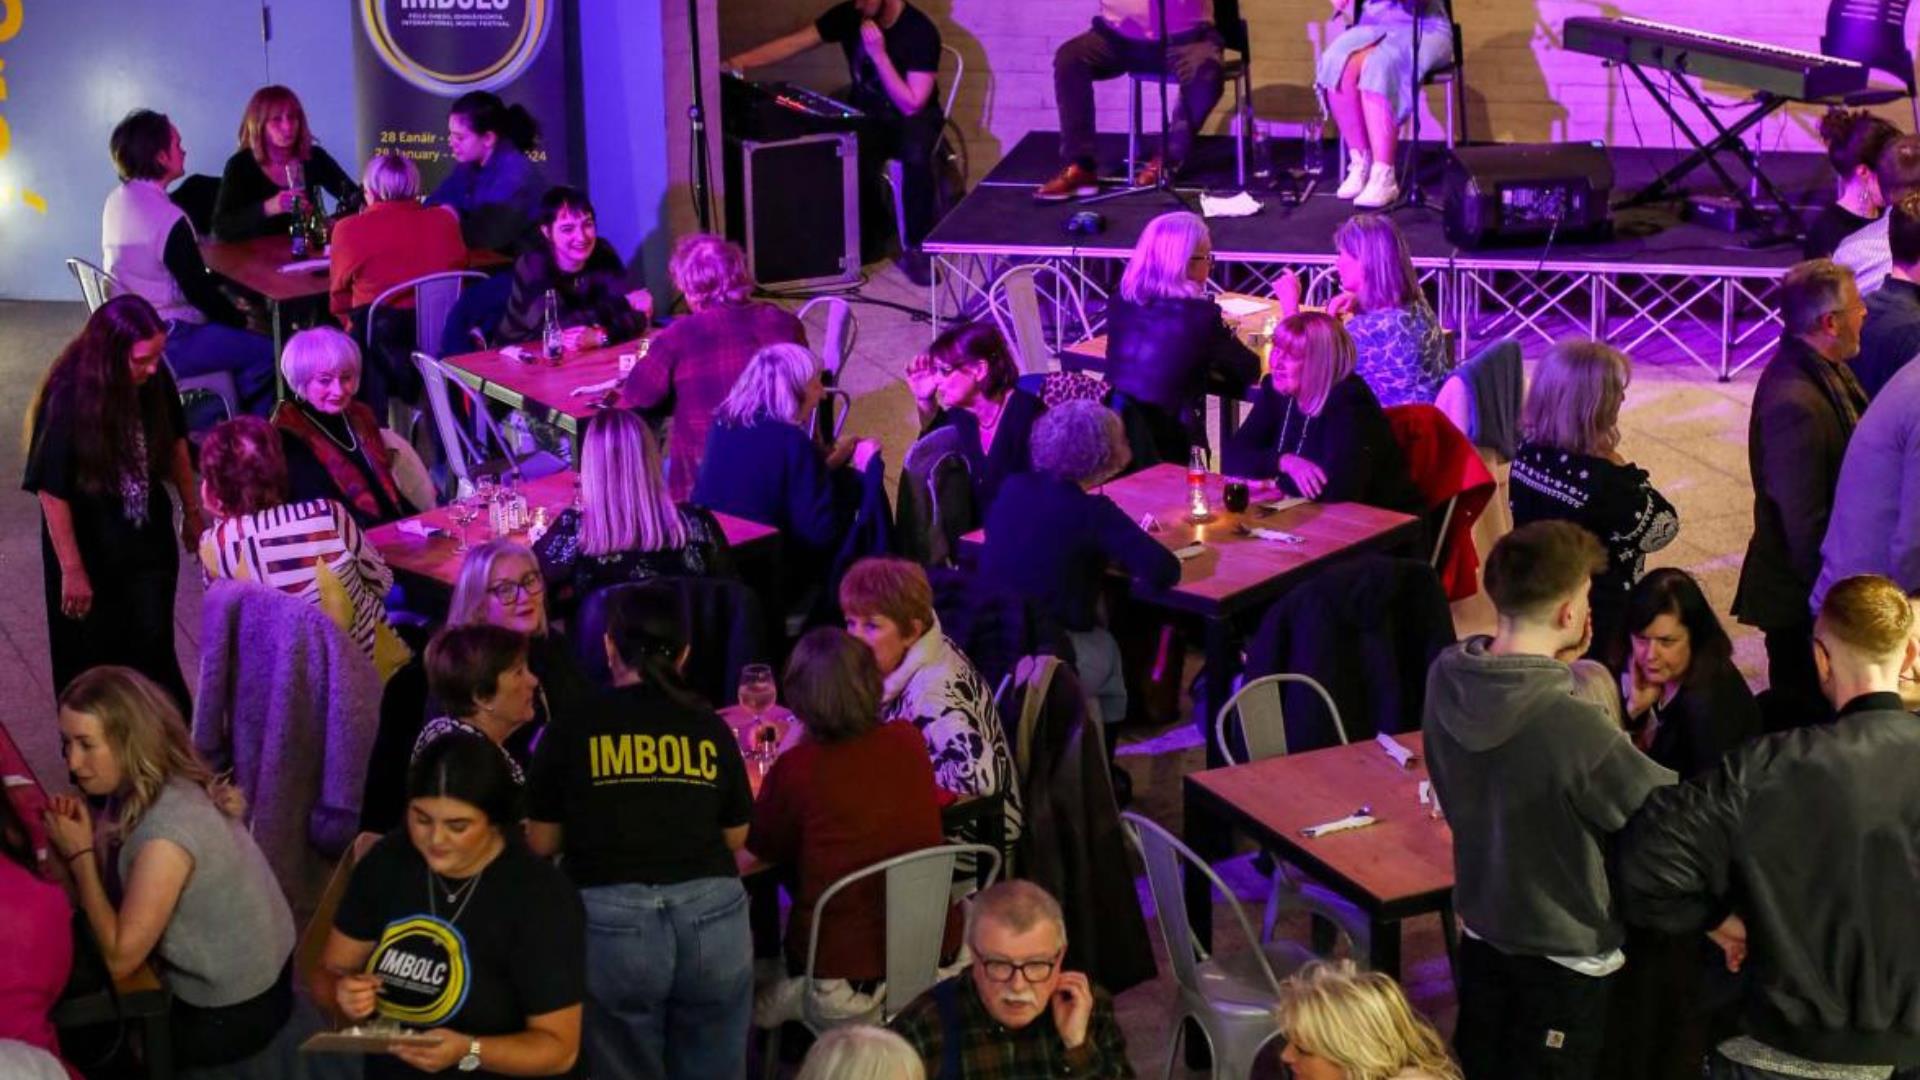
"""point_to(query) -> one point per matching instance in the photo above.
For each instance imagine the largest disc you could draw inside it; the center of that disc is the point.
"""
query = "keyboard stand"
(1727, 140)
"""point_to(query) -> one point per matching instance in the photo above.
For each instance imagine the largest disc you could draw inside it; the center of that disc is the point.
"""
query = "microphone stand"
(1414, 194)
(1162, 183)
(697, 123)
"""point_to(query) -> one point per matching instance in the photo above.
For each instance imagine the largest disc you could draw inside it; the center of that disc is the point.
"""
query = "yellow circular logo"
(449, 47)
(422, 965)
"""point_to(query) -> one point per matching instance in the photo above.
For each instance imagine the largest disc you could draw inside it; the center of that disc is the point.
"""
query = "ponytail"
(487, 115)
(648, 635)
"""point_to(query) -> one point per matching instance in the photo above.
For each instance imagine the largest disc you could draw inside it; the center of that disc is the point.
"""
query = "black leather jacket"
(1812, 836)
(1162, 353)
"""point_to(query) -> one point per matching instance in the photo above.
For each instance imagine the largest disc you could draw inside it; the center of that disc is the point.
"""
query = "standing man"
(893, 56)
(1125, 39)
(1800, 858)
(1805, 407)
(1534, 779)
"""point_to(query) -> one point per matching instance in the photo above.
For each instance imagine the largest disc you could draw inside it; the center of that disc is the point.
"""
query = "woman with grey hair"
(333, 442)
(862, 1052)
(1050, 539)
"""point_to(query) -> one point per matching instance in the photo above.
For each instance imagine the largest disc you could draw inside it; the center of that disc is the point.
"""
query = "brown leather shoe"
(1149, 174)
(1074, 181)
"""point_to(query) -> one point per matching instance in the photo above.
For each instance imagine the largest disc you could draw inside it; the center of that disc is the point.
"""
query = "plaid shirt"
(992, 1051)
(691, 366)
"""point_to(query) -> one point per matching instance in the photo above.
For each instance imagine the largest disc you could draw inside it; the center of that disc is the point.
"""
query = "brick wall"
(1520, 85)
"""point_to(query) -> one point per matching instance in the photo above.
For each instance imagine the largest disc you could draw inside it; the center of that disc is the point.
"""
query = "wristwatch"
(471, 1061)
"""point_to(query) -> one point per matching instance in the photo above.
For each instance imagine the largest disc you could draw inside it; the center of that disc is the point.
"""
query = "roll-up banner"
(413, 57)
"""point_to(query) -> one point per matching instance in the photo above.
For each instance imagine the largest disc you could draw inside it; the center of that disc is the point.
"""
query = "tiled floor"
(1688, 430)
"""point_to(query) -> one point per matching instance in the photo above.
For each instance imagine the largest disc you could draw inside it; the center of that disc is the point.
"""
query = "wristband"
(77, 854)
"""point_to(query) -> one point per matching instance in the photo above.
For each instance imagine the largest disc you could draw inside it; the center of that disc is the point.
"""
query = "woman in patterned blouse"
(1569, 468)
(311, 549)
(1401, 348)
(627, 527)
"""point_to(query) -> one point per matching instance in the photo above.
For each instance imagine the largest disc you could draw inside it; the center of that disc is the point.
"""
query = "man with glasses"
(1015, 1013)
(1799, 857)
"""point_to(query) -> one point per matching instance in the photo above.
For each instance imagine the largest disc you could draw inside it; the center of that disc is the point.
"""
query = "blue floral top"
(1402, 354)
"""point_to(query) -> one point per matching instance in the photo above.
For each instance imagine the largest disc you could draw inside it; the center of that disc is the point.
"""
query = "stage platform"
(1661, 288)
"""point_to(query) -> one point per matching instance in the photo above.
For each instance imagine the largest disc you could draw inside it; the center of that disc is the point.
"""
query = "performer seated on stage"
(1125, 39)
(1367, 74)
(893, 54)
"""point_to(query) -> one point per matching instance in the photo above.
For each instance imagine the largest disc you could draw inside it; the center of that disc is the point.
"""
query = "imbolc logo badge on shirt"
(626, 759)
(423, 969)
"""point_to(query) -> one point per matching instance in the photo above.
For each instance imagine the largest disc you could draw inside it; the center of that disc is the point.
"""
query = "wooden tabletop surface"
(1401, 865)
(1235, 572)
(255, 266)
(437, 557)
(542, 388)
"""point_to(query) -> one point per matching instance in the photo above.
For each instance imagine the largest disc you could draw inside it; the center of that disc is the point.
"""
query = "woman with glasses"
(1167, 344)
(967, 381)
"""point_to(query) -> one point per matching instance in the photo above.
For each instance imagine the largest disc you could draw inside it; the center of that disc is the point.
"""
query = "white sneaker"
(1356, 176)
(1382, 189)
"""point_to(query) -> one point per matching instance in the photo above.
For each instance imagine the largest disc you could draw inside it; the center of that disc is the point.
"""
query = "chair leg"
(1271, 915)
(1453, 88)
(1133, 127)
(1173, 1047)
(1242, 125)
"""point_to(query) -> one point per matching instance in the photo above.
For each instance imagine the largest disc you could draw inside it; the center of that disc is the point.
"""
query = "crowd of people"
(565, 819)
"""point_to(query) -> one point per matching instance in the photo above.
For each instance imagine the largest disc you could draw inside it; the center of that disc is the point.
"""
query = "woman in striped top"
(310, 549)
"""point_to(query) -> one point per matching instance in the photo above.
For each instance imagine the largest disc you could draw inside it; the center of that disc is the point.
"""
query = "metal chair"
(1873, 33)
(98, 286)
(1237, 69)
(841, 330)
(469, 455)
(1013, 300)
(1261, 719)
(433, 298)
(919, 888)
(1230, 998)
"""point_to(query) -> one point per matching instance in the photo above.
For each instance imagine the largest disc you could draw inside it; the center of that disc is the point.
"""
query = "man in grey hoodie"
(1534, 779)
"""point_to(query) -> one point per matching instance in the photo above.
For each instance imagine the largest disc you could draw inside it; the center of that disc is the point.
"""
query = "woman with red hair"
(277, 167)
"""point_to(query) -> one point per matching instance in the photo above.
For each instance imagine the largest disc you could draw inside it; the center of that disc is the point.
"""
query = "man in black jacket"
(1800, 857)
(1534, 779)
(1804, 411)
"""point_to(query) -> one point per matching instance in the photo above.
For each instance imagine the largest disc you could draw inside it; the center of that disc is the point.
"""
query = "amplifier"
(794, 206)
(1520, 194)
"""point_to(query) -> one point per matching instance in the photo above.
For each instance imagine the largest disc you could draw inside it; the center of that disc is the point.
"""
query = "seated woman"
(626, 528)
(494, 187)
(333, 443)
(455, 929)
(1367, 73)
(479, 675)
(36, 937)
(1401, 350)
(1316, 427)
(694, 360)
(309, 549)
(929, 682)
(1854, 139)
(1167, 344)
(651, 842)
(1051, 540)
(1343, 1024)
(967, 380)
(1569, 468)
(197, 896)
(1687, 705)
(587, 279)
(761, 464)
(277, 171)
(851, 792)
(152, 251)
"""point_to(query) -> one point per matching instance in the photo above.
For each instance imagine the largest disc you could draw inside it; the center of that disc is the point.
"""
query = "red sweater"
(827, 810)
(386, 244)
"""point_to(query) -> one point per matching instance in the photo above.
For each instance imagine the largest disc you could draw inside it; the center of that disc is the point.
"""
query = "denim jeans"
(669, 980)
(1096, 659)
(200, 348)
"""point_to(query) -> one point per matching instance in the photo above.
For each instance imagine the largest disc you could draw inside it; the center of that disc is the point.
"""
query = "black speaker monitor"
(1521, 194)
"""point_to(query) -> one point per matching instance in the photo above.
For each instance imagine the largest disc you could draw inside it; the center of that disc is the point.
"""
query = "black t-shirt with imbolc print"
(513, 947)
(641, 786)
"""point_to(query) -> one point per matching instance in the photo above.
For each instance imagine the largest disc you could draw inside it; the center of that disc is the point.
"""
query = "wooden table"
(1393, 870)
(437, 557)
(540, 389)
(1237, 577)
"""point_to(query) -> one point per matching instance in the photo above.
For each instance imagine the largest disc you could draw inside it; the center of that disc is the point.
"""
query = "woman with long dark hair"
(494, 187)
(647, 796)
(1687, 705)
(105, 435)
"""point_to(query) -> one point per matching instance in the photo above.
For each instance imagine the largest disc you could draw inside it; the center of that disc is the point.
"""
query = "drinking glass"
(463, 510)
(757, 695)
(1236, 496)
(297, 179)
(1313, 152)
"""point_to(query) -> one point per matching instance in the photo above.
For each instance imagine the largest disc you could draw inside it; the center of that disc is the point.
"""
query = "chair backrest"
(1871, 32)
(1263, 721)
(1014, 301)
(433, 298)
(1164, 856)
(463, 451)
(842, 329)
(96, 285)
(953, 81)
(1232, 27)
(919, 888)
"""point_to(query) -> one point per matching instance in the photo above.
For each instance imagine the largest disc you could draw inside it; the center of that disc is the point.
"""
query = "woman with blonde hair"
(1401, 350)
(695, 360)
(277, 169)
(1343, 1024)
(861, 1052)
(197, 896)
(627, 527)
(1316, 428)
(1569, 468)
(1167, 344)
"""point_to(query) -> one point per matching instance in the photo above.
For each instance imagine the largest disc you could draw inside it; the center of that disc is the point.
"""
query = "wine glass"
(297, 179)
(757, 695)
(463, 510)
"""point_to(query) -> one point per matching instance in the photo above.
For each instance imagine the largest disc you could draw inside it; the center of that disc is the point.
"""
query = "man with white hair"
(1015, 1013)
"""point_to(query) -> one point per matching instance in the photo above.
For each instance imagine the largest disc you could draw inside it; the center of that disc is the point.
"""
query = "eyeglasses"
(1033, 971)
(505, 591)
(1202, 256)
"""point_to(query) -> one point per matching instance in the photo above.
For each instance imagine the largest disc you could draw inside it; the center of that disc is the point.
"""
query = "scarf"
(349, 480)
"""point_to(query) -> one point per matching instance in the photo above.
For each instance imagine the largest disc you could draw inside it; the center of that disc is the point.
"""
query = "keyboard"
(1793, 74)
(771, 111)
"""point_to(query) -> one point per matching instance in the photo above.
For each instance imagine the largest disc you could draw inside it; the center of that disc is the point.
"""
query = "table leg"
(159, 1046)
(279, 381)
(1216, 682)
(1384, 952)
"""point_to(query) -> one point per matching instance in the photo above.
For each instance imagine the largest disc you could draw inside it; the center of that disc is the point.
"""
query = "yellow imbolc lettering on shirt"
(622, 757)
